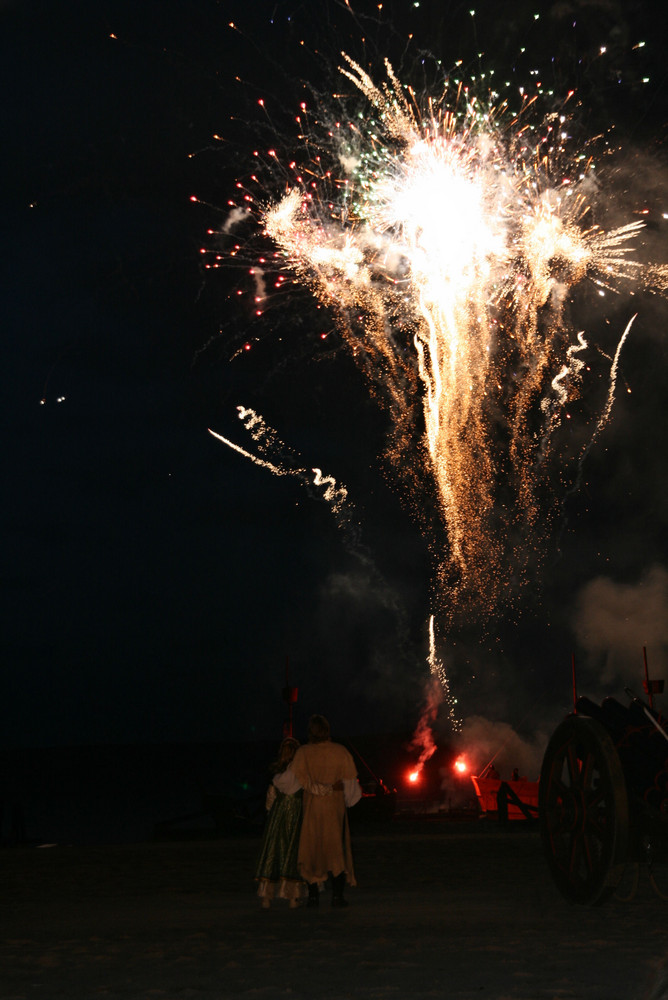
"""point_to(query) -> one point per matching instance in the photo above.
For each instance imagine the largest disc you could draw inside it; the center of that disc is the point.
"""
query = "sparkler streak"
(276, 469)
(437, 671)
(605, 416)
(334, 494)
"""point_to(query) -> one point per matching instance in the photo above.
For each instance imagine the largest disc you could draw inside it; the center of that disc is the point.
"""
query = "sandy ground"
(455, 911)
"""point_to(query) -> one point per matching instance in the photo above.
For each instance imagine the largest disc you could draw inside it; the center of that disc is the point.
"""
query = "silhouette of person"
(276, 872)
(327, 774)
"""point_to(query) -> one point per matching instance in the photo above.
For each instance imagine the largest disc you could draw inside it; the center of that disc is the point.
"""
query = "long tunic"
(324, 844)
(277, 870)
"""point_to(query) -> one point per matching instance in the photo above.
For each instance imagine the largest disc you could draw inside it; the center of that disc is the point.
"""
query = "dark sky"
(154, 582)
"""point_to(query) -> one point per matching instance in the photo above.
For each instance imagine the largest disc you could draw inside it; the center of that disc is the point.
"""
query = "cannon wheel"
(583, 810)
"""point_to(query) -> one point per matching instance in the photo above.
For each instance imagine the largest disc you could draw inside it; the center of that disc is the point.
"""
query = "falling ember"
(445, 244)
(414, 777)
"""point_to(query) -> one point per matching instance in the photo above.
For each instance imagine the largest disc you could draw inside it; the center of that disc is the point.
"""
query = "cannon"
(603, 796)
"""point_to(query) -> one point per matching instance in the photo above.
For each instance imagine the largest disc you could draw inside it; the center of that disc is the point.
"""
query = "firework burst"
(443, 233)
(445, 236)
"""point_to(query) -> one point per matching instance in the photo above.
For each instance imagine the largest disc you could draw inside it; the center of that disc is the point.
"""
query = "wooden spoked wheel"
(583, 810)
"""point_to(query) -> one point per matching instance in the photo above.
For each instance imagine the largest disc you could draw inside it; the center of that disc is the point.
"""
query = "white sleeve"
(286, 782)
(352, 792)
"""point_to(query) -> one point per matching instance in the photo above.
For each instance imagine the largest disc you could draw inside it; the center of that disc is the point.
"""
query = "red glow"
(413, 777)
(461, 767)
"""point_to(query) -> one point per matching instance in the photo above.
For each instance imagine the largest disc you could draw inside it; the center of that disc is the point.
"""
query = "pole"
(489, 764)
(648, 686)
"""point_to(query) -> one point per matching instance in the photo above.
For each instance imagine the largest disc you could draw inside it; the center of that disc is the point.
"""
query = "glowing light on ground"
(460, 766)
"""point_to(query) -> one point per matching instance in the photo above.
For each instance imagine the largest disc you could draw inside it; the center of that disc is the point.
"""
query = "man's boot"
(313, 894)
(338, 883)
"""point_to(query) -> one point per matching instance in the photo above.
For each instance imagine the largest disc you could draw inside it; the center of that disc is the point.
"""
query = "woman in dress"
(276, 874)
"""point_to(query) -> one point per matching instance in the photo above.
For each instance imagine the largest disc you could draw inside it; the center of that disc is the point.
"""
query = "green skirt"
(276, 872)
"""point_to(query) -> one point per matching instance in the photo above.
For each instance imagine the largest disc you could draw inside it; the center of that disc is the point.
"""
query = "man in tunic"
(326, 771)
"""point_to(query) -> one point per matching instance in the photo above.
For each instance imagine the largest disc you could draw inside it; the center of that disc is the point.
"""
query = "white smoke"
(349, 162)
(613, 621)
(483, 741)
(236, 216)
(260, 287)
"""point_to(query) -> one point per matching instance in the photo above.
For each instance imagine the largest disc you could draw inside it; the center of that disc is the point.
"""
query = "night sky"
(155, 583)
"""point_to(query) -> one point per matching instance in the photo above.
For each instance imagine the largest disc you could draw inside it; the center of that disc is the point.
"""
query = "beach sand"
(457, 911)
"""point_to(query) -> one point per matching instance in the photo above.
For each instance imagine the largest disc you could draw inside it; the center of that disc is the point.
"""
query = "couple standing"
(307, 836)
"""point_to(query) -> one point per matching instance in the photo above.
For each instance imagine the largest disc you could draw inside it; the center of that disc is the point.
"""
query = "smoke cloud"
(483, 741)
(423, 737)
(359, 640)
(236, 216)
(613, 621)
